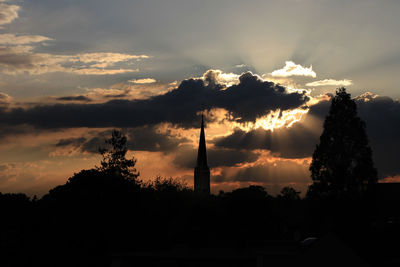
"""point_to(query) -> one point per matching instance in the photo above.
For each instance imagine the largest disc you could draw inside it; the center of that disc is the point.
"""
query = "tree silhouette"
(290, 193)
(114, 160)
(342, 162)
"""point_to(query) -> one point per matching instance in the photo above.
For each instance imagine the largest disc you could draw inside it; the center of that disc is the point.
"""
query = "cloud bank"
(246, 101)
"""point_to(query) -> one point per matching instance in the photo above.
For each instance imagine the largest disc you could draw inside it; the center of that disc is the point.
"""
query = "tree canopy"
(114, 157)
(289, 193)
(342, 161)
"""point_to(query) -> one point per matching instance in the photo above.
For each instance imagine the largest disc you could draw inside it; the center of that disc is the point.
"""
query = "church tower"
(202, 172)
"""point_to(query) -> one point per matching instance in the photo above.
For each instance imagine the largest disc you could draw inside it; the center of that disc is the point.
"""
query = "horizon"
(262, 80)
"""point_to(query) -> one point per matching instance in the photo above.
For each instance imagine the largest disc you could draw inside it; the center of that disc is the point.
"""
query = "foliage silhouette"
(289, 193)
(342, 162)
(162, 184)
(253, 192)
(114, 160)
(115, 178)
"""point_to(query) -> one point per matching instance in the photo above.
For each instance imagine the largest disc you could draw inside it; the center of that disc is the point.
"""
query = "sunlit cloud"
(274, 120)
(367, 97)
(18, 55)
(128, 91)
(330, 82)
(143, 81)
(8, 13)
(22, 59)
(293, 69)
(220, 77)
(95, 71)
(105, 57)
(5, 99)
(12, 39)
(143, 90)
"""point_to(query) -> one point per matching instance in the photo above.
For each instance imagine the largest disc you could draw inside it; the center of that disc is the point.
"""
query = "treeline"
(95, 214)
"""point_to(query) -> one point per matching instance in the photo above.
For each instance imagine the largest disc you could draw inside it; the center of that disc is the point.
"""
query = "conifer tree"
(342, 161)
(114, 158)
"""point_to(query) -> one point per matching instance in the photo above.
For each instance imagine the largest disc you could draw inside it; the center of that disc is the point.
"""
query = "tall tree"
(114, 160)
(342, 161)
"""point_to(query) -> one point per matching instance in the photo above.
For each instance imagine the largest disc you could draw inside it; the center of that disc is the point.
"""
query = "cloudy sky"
(262, 72)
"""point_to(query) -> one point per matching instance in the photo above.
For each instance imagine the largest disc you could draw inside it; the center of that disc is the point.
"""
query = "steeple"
(202, 172)
(202, 153)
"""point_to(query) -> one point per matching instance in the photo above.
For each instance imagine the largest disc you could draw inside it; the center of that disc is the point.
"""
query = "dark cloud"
(139, 139)
(186, 157)
(71, 142)
(93, 144)
(74, 98)
(253, 98)
(17, 130)
(11, 58)
(149, 139)
(122, 95)
(246, 101)
(382, 117)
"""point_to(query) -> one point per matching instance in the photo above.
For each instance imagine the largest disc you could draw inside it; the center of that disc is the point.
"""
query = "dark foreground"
(98, 220)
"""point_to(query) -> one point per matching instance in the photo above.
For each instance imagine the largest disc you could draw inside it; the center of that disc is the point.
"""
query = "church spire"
(202, 152)
(202, 172)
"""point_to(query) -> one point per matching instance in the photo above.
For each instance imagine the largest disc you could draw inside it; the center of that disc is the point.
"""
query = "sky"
(262, 73)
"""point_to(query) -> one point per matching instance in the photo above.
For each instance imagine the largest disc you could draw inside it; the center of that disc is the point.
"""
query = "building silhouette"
(201, 171)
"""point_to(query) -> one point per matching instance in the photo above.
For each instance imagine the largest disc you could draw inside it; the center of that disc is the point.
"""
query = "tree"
(253, 192)
(161, 184)
(342, 162)
(289, 193)
(114, 160)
